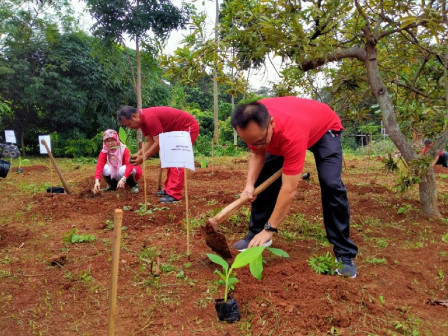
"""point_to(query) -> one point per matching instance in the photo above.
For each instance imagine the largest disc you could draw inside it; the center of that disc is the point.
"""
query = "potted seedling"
(20, 169)
(227, 308)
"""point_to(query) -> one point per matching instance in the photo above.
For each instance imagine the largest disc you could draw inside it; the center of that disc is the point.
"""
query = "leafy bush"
(203, 147)
(323, 264)
(379, 147)
(76, 147)
(72, 237)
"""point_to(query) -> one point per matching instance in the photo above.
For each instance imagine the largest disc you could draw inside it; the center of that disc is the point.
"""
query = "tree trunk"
(215, 85)
(235, 134)
(22, 142)
(428, 193)
(138, 88)
(427, 188)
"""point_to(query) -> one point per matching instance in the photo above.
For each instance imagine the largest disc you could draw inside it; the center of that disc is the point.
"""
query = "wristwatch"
(268, 227)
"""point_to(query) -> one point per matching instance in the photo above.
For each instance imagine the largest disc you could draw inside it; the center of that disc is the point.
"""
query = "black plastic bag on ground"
(4, 168)
(227, 311)
(55, 190)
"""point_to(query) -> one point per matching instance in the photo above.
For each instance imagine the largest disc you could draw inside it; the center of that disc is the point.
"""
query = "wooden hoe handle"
(67, 189)
(229, 210)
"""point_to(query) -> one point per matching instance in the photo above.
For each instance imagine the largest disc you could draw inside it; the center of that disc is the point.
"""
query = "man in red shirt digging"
(279, 131)
(442, 157)
(153, 121)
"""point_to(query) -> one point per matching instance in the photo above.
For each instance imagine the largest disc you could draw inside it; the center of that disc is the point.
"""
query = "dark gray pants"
(336, 211)
(443, 159)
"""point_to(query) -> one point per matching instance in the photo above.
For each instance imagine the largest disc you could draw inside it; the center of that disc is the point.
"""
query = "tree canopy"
(394, 51)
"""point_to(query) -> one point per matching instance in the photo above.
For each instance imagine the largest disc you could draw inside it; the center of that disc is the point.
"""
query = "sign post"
(176, 151)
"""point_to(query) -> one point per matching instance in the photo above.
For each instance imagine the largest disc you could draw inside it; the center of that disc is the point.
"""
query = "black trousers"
(443, 159)
(336, 210)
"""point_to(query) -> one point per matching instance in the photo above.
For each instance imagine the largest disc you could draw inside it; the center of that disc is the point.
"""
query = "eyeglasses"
(110, 140)
(263, 141)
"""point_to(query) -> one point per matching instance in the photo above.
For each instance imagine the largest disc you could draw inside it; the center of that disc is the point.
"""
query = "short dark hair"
(125, 111)
(427, 142)
(246, 113)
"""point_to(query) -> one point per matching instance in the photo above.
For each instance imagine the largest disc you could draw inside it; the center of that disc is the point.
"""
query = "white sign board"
(42, 148)
(10, 136)
(176, 150)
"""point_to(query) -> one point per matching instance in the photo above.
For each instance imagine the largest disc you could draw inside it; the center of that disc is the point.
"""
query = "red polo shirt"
(162, 119)
(299, 124)
(426, 149)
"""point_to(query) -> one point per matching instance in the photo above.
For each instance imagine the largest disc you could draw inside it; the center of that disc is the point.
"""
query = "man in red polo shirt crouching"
(153, 121)
(279, 131)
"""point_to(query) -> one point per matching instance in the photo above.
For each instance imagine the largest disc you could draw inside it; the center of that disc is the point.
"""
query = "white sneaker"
(244, 248)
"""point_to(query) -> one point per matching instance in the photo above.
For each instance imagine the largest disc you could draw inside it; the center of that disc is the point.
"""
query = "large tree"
(398, 48)
(57, 78)
(200, 57)
(144, 21)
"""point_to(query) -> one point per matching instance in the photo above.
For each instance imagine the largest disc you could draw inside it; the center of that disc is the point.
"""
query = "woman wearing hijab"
(113, 164)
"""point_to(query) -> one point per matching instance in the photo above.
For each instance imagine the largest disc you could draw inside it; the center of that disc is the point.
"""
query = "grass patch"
(73, 238)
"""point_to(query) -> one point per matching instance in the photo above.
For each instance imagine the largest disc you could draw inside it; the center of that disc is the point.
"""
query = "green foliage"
(203, 147)
(76, 148)
(148, 209)
(445, 238)
(73, 238)
(252, 257)
(22, 161)
(378, 147)
(376, 261)
(65, 81)
(160, 17)
(389, 163)
(323, 264)
(406, 181)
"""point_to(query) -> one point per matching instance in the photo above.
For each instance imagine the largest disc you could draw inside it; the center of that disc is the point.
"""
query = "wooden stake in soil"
(67, 189)
(144, 182)
(186, 210)
(212, 155)
(114, 279)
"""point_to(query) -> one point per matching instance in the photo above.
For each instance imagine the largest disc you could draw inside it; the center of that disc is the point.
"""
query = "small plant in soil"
(445, 238)
(252, 257)
(72, 237)
(227, 309)
(323, 264)
(21, 161)
(148, 210)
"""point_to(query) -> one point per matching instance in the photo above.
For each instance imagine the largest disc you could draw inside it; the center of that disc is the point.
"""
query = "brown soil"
(49, 287)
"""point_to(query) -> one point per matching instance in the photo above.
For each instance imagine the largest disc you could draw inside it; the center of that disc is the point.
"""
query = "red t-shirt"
(426, 149)
(299, 124)
(163, 119)
(102, 159)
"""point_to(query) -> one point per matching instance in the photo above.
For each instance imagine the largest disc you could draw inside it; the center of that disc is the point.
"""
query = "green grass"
(376, 261)
(72, 237)
(298, 227)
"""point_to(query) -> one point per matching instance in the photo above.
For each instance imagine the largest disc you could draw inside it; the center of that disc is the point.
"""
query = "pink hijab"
(114, 155)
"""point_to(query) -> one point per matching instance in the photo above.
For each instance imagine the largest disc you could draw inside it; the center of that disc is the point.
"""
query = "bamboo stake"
(67, 189)
(144, 182)
(186, 207)
(212, 155)
(114, 279)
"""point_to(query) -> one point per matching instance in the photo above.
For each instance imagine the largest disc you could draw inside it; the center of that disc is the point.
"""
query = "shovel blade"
(216, 241)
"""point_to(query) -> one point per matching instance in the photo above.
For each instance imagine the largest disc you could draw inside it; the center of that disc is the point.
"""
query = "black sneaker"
(108, 188)
(347, 267)
(161, 193)
(168, 199)
(241, 245)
